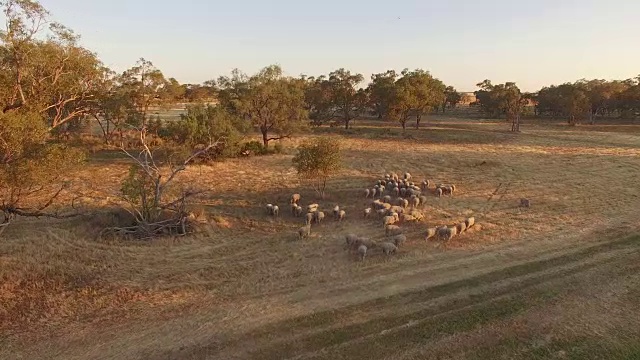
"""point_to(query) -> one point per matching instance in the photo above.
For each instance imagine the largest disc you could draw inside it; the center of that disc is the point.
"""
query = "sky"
(462, 42)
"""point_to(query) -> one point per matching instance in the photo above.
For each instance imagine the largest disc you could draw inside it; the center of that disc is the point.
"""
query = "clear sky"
(462, 42)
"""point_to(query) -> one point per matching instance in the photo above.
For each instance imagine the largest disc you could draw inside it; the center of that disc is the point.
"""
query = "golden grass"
(245, 268)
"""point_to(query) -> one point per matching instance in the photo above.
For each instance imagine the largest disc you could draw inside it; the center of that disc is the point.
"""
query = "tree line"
(51, 86)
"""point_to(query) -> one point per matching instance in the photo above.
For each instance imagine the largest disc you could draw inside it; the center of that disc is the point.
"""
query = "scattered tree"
(381, 91)
(318, 160)
(452, 98)
(347, 102)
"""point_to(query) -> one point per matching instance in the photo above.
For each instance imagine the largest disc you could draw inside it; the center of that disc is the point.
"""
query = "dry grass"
(246, 270)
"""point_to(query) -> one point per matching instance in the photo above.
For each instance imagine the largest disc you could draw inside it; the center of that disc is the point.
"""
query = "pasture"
(558, 280)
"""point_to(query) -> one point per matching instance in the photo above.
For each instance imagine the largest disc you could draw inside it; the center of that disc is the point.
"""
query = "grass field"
(560, 280)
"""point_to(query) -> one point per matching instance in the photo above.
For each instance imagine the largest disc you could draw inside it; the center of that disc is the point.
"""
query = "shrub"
(317, 160)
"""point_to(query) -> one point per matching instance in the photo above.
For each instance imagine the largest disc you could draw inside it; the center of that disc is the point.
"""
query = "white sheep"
(403, 192)
(312, 208)
(341, 215)
(405, 203)
(461, 227)
(407, 176)
(389, 220)
(387, 199)
(351, 239)
(424, 185)
(269, 208)
(423, 200)
(367, 192)
(276, 210)
(396, 191)
(381, 212)
(415, 201)
(431, 232)
(304, 231)
(388, 248)
(309, 218)
(407, 218)
(336, 212)
(399, 239)
(295, 198)
(318, 216)
(367, 212)
(391, 230)
(470, 222)
(439, 192)
(362, 252)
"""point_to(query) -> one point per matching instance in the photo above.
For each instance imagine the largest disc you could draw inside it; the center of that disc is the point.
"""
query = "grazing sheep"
(309, 218)
(405, 203)
(448, 190)
(424, 185)
(388, 248)
(389, 220)
(341, 215)
(399, 201)
(395, 177)
(295, 199)
(525, 203)
(387, 199)
(423, 200)
(431, 232)
(304, 232)
(298, 211)
(415, 201)
(362, 252)
(312, 208)
(293, 209)
(396, 191)
(439, 192)
(374, 193)
(397, 209)
(454, 231)
(269, 208)
(399, 239)
(407, 218)
(407, 176)
(318, 216)
(336, 212)
(367, 192)
(461, 227)
(367, 212)
(403, 192)
(275, 211)
(351, 239)
(391, 230)
(444, 233)
(370, 244)
(470, 222)
(381, 212)
(386, 206)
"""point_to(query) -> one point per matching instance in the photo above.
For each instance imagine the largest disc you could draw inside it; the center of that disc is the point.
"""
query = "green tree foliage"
(502, 99)
(566, 100)
(270, 101)
(318, 160)
(44, 84)
(346, 100)
(381, 91)
(204, 124)
(452, 98)
(415, 92)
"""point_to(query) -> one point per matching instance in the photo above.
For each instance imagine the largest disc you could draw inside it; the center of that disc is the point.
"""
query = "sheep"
(312, 208)
(461, 227)
(295, 199)
(443, 233)
(391, 230)
(351, 239)
(439, 192)
(407, 218)
(374, 193)
(388, 248)
(399, 201)
(275, 211)
(417, 214)
(399, 239)
(470, 222)
(341, 215)
(423, 200)
(367, 212)
(405, 203)
(424, 185)
(387, 199)
(397, 209)
(362, 252)
(309, 218)
(293, 209)
(336, 212)
(304, 232)
(367, 192)
(370, 244)
(403, 192)
(298, 211)
(431, 232)
(318, 216)
(381, 212)
(407, 176)
(415, 201)
(396, 191)
(525, 202)
(269, 208)
(448, 189)
(454, 231)
(395, 177)
(386, 206)
(389, 220)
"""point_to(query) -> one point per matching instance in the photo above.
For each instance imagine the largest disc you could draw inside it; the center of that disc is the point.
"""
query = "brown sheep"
(295, 199)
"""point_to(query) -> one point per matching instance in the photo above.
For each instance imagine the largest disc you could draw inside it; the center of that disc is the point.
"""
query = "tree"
(270, 101)
(416, 92)
(317, 94)
(502, 99)
(55, 76)
(380, 92)
(146, 87)
(44, 84)
(347, 102)
(318, 160)
(452, 98)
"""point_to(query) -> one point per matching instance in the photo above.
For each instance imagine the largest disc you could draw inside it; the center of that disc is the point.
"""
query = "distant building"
(468, 98)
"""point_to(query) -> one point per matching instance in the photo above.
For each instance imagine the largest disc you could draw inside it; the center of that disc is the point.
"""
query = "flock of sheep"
(395, 201)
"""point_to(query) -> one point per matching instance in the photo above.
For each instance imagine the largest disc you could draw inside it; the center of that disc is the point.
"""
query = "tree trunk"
(418, 118)
(404, 124)
(346, 123)
(265, 138)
